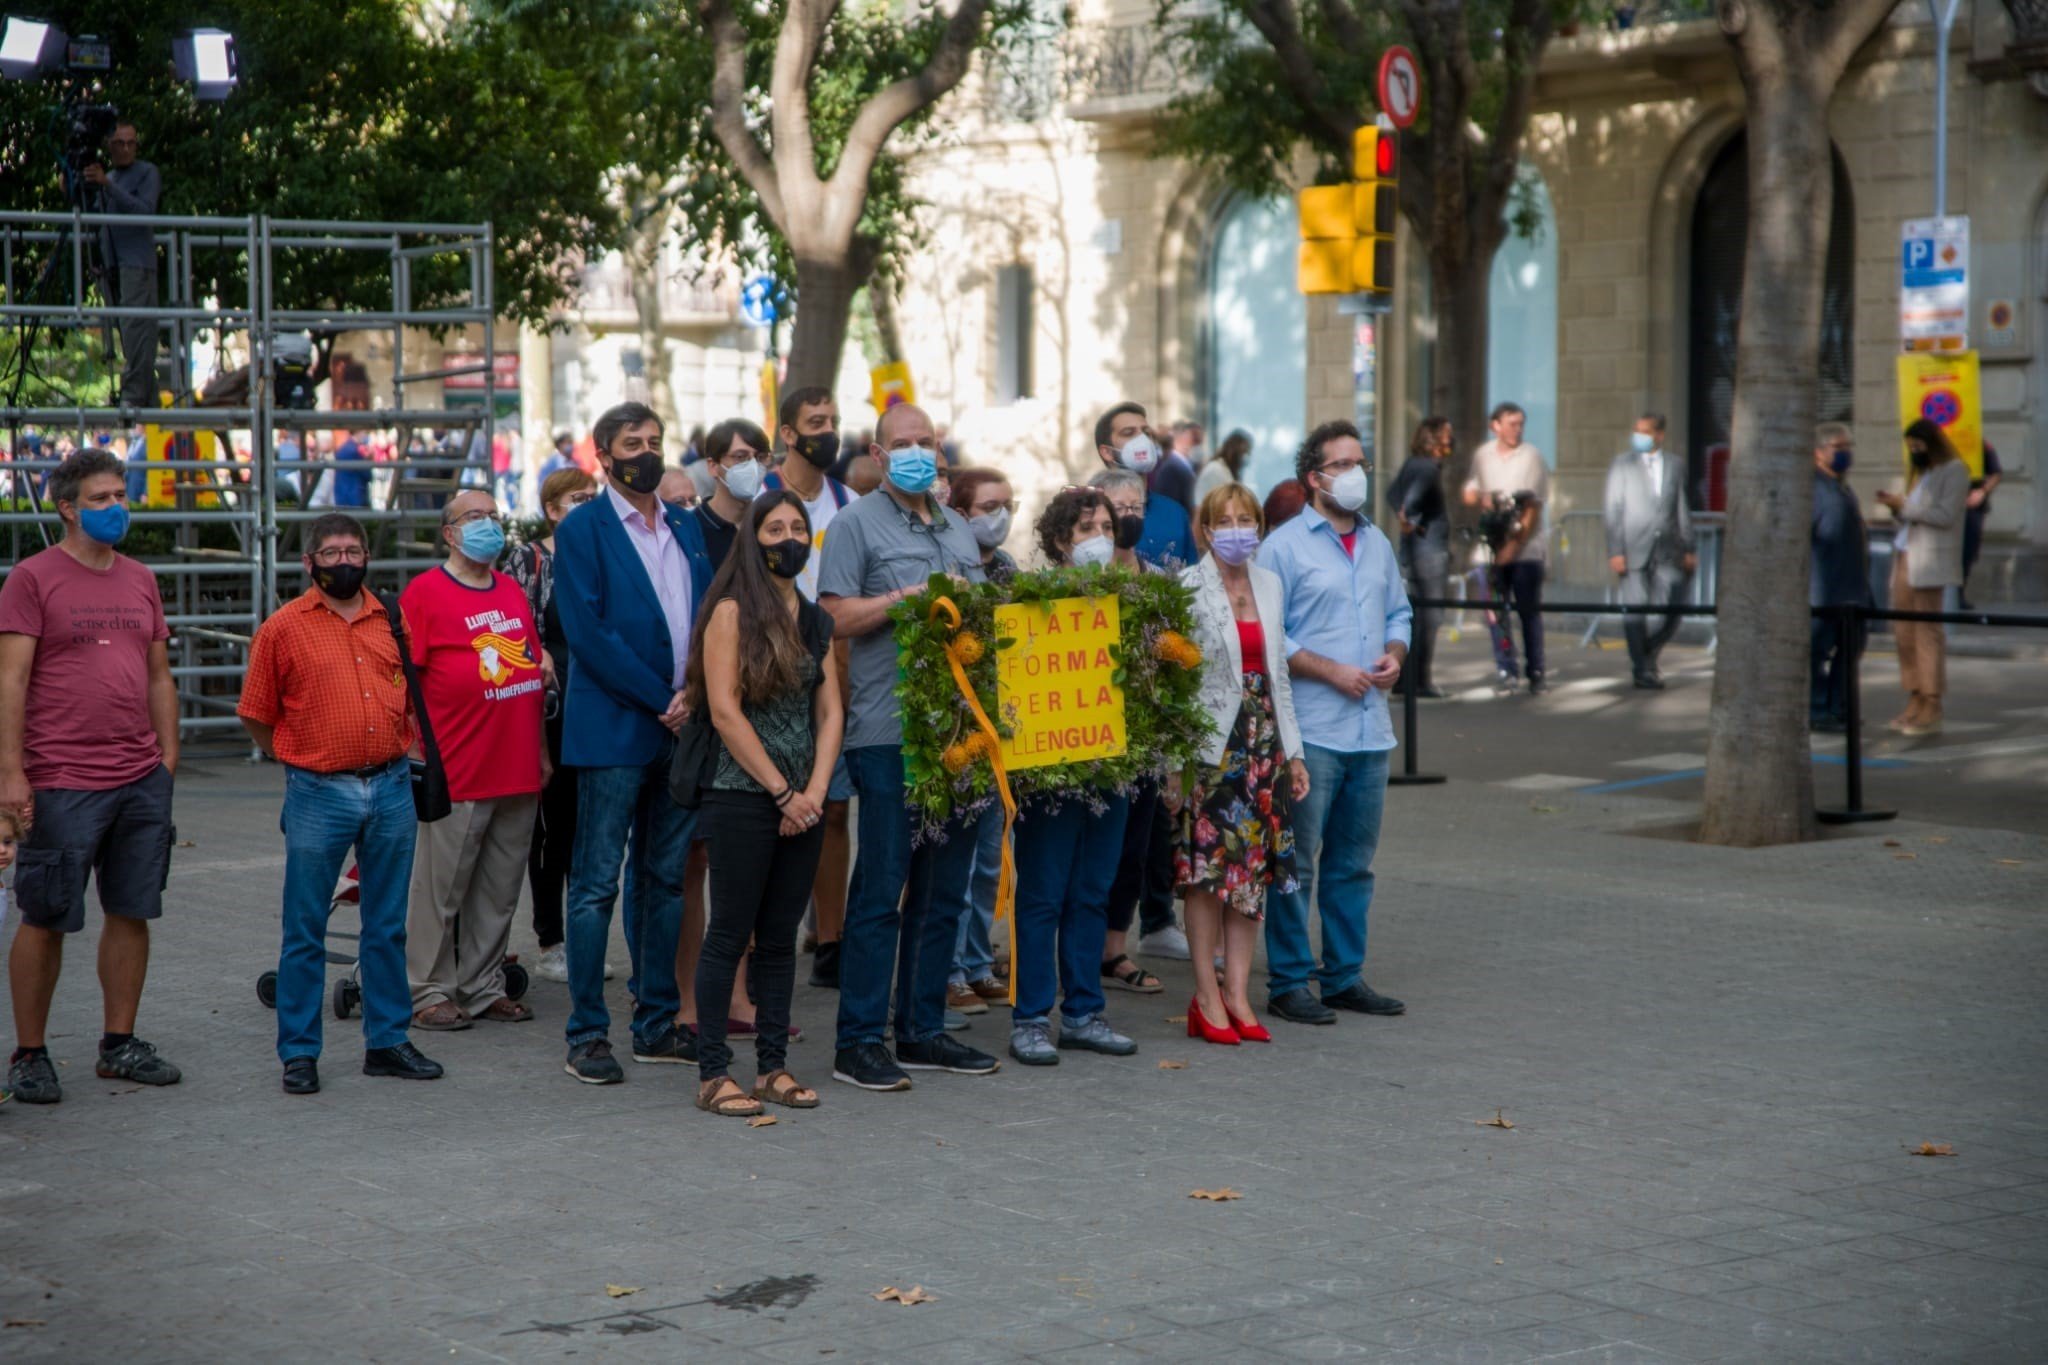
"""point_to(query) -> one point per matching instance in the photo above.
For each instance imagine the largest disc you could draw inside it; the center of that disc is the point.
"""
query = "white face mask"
(1350, 489)
(1140, 454)
(990, 529)
(743, 480)
(1091, 552)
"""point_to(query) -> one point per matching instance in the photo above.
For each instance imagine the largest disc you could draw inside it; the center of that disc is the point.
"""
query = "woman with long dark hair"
(761, 663)
(1927, 557)
(1067, 852)
(1226, 466)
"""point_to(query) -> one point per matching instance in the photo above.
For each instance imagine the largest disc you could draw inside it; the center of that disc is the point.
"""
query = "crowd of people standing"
(515, 717)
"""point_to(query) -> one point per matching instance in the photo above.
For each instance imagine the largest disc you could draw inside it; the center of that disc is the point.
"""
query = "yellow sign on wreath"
(1055, 681)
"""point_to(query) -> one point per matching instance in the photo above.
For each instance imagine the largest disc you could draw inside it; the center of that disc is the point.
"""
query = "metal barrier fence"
(232, 538)
(1849, 618)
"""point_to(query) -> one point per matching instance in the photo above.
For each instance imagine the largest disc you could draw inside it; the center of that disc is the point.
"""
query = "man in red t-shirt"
(88, 743)
(478, 650)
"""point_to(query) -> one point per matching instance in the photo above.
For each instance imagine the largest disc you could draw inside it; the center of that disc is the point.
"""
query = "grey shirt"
(872, 548)
(134, 188)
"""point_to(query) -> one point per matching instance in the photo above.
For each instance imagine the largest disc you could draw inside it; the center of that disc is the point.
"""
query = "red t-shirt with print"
(478, 653)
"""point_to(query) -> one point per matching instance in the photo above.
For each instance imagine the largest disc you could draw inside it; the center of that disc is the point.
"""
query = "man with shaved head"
(905, 913)
(477, 648)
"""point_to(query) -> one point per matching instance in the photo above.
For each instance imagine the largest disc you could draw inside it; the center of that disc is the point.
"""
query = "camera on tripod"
(86, 128)
(1503, 517)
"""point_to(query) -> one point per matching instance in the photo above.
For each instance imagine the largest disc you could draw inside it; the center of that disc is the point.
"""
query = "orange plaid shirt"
(332, 689)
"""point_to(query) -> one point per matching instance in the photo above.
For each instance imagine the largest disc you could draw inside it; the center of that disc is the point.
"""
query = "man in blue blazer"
(630, 573)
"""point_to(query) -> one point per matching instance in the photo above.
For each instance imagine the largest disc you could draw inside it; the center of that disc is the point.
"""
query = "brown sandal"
(738, 1105)
(506, 1010)
(785, 1094)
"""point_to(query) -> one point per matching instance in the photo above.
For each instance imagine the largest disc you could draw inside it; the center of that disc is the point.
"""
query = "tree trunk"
(825, 287)
(1759, 770)
(644, 265)
(1457, 383)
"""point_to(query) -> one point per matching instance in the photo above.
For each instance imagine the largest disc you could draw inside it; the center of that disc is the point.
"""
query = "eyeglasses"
(578, 499)
(331, 557)
(478, 515)
(990, 509)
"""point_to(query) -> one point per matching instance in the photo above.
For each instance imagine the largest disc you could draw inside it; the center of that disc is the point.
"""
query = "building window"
(1255, 335)
(1720, 237)
(1013, 333)
(1521, 328)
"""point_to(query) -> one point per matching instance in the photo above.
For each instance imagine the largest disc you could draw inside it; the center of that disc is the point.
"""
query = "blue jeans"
(324, 817)
(974, 954)
(1066, 859)
(1336, 832)
(913, 945)
(626, 811)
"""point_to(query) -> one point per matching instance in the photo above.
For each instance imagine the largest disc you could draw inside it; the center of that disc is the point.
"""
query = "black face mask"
(637, 473)
(821, 450)
(1921, 459)
(1130, 529)
(786, 558)
(340, 581)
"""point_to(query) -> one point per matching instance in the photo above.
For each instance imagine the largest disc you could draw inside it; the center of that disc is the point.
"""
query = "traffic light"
(1347, 231)
(1329, 233)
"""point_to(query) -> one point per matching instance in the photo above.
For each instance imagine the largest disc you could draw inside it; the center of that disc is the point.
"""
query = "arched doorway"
(1256, 336)
(1720, 235)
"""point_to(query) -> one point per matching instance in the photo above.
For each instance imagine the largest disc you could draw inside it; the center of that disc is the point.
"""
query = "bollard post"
(1408, 776)
(1847, 617)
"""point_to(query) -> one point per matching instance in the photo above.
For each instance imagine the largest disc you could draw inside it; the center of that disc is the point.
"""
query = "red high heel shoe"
(1198, 1027)
(1252, 1032)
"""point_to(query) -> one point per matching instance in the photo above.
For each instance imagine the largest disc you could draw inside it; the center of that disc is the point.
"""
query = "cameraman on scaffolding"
(130, 185)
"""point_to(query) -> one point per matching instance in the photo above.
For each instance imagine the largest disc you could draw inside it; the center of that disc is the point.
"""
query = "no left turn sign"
(1400, 86)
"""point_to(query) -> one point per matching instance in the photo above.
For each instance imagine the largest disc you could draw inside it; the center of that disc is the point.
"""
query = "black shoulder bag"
(430, 801)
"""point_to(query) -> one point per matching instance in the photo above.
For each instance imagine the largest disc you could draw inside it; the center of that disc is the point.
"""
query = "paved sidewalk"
(1715, 1064)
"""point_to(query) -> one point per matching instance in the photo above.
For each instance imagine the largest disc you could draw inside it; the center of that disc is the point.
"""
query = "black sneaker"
(1537, 685)
(944, 1054)
(676, 1043)
(33, 1080)
(136, 1061)
(870, 1067)
(405, 1061)
(593, 1064)
(825, 966)
(301, 1076)
(1299, 1006)
(1364, 999)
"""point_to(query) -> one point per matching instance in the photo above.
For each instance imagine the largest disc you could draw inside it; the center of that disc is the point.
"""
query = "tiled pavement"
(1715, 1063)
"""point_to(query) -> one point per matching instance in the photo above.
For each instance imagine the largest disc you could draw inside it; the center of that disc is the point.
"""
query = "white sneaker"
(1167, 942)
(554, 963)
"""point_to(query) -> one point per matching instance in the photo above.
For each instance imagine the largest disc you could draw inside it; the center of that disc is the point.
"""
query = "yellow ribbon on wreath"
(990, 747)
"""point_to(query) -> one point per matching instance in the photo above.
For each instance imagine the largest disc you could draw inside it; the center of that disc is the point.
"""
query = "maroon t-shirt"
(86, 724)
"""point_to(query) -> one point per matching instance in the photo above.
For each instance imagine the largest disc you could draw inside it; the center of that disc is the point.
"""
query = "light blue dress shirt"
(1347, 608)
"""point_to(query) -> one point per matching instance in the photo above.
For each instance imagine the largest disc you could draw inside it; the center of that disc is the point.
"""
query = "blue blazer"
(621, 656)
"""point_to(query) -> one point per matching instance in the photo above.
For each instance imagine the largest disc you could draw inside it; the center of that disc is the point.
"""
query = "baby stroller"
(348, 989)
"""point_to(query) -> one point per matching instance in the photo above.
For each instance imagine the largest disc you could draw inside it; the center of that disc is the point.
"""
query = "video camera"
(1503, 517)
(86, 128)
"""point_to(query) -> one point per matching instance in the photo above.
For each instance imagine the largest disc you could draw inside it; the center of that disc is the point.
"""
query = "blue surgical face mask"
(483, 541)
(1234, 544)
(1841, 459)
(914, 470)
(108, 525)
(1642, 442)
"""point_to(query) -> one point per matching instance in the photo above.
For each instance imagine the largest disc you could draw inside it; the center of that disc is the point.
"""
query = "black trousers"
(554, 840)
(1521, 584)
(760, 887)
(1143, 889)
(1428, 571)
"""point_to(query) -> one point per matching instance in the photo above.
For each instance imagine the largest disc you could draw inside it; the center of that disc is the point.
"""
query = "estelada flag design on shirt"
(499, 657)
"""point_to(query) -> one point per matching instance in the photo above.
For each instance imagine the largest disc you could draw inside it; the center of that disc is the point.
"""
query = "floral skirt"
(1236, 836)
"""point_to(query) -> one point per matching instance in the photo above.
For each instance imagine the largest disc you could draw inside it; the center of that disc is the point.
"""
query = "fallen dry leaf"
(1937, 838)
(1498, 1120)
(913, 1295)
(762, 1120)
(188, 843)
(1176, 1018)
(1905, 857)
(2010, 862)
(1932, 1149)
(1892, 843)
(619, 1291)
(25, 1322)
(1173, 1066)
(1215, 1196)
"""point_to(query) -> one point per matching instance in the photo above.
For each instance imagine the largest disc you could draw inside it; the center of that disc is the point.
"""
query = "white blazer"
(1223, 658)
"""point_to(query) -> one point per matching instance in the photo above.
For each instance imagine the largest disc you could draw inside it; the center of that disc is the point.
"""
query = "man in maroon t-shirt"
(88, 743)
(478, 650)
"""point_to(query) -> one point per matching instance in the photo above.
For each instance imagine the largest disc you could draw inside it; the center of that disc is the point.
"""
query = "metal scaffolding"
(215, 595)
